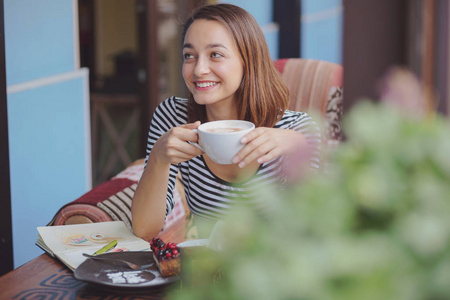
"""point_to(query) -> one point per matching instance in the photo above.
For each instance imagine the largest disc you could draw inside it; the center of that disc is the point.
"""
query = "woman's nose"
(201, 67)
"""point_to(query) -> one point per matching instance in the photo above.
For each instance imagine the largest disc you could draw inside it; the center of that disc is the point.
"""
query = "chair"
(315, 86)
(111, 201)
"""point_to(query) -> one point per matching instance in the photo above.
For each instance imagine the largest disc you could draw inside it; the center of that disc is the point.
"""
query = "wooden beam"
(374, 40)
(6, 248)
(148, 74)
(428, 59)
(287, 14)
(442, 60)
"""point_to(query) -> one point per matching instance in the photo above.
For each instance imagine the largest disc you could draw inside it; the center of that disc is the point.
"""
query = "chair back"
(315, 86)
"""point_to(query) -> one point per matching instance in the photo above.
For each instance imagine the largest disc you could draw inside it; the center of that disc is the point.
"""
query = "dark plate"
(118, 275)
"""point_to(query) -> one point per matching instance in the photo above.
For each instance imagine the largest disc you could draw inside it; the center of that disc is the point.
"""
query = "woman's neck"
(221, 111)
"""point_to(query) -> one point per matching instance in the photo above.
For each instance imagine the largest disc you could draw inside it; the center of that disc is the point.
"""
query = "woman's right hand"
(172, 146)
(149, 201)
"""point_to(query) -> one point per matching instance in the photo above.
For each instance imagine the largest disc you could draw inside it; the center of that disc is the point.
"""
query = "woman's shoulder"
(171, 112)
(173, 106)
(291, 117)
(174, 103)
(294, 114)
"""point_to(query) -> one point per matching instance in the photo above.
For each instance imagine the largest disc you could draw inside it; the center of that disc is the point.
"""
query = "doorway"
(133, 52)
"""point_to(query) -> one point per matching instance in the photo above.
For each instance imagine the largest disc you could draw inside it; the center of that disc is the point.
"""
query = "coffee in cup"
(224, 130)
(221, 140)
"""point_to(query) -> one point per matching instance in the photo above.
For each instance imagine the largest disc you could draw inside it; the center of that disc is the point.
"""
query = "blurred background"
(135, 63)
(80, 80)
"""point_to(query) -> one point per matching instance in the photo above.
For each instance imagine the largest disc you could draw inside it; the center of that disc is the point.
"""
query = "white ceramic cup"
(221, 140)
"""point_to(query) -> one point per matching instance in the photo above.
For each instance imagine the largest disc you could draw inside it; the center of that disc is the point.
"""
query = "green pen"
(106, 248)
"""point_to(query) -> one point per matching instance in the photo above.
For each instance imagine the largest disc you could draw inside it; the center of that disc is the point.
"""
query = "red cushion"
(280, 63)
(89, 212)
(104, 191)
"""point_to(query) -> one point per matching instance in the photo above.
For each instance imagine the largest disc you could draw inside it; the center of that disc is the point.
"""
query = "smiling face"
(212, 67)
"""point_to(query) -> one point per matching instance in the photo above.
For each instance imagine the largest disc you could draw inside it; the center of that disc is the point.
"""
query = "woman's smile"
(205, 85)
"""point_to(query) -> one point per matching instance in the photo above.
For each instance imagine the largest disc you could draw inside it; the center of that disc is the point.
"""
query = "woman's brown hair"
(262, 96)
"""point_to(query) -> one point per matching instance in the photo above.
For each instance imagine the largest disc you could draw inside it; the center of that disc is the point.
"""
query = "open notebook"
(69, 242)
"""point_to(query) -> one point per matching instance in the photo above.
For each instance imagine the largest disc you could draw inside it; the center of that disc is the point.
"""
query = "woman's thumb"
(192, 125)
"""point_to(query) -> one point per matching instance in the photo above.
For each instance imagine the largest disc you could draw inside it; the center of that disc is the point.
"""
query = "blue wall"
(321, 27)
(48, 116)
(321, 30)
(262, 11)
(39, 39)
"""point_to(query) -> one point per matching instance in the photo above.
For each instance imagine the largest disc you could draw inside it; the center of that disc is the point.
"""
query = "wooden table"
(46, 278)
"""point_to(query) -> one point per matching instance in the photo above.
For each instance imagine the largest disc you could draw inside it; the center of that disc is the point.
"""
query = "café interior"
(363, 67)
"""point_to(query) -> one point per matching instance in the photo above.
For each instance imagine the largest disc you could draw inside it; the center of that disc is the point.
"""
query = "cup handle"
(196, 144)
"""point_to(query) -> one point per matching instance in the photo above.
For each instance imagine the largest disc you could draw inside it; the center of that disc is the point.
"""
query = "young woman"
(230, 75)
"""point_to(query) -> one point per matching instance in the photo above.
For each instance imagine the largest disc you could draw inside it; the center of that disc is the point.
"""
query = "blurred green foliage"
(376, 225)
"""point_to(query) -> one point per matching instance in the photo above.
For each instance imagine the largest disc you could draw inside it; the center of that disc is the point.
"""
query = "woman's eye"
(187, 56)
(216, 55)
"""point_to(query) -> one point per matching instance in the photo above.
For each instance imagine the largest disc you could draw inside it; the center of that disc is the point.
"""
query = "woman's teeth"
(204, 84)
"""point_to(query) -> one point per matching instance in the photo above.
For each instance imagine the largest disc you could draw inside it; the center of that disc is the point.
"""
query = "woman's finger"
(252, 135)
(253, 149)
(266, 144)
(172, 146)
(251, 140)
(191, 125)
(258, 148)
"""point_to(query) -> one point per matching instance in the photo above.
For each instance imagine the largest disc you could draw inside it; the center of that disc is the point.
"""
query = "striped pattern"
(207, 195)
(118, 206)
(315, 86)
(309, 82)
(75, 213)
(111, 201)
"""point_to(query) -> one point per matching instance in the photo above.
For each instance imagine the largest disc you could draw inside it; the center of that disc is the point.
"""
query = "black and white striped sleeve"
(302, 122)
(170, 113)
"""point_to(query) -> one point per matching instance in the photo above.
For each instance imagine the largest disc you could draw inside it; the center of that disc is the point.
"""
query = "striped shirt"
(207, 195)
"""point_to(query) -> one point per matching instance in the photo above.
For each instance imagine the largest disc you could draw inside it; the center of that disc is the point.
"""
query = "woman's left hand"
(264, 144)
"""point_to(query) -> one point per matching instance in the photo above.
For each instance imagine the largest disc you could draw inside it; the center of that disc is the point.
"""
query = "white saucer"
(194, 243)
